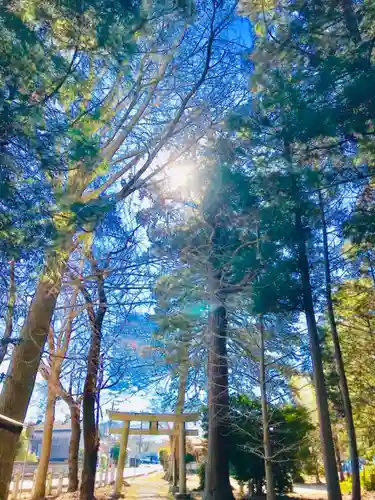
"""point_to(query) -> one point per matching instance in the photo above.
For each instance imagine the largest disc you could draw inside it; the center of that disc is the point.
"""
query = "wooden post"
(174, 465)
(33, 485)
(121, 458)
(182, 471)
(60, 483)
(16, 485)
(49, 484)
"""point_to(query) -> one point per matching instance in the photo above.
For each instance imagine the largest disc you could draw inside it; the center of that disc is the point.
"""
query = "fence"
(57, 481)
(56, 484)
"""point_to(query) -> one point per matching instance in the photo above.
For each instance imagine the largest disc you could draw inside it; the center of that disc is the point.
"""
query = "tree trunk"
(9, 318)
(328, 449)
(250, 487)
(351, 21)
(90, 427)
(168, 470)
(270, 485)
(259, 488)
(52, 373)
(217, 484)
(20, 379)
(91, 443)
(183, 369)
(338, 457)
(356, 482)
(74, 447)
(317, 472)
(42, 470)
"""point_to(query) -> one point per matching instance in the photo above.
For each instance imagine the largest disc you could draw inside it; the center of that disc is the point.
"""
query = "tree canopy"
(187, 212)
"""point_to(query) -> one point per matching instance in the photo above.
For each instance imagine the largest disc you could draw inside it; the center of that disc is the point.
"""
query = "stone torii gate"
(154, 430)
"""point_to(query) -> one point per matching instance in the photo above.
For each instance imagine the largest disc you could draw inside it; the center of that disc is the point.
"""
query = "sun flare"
(179, 176)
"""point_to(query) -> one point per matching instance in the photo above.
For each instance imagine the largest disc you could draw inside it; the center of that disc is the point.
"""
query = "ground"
(141, 488)
(154, 486)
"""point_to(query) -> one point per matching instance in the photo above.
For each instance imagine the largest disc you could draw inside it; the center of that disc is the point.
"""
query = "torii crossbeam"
(154, 429)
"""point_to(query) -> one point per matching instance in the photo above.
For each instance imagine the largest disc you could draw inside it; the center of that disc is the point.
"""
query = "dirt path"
(148, 487)
(140, 488)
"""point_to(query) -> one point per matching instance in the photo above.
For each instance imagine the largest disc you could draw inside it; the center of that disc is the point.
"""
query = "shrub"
(164, 458)
(283, 479)
(23, 449)
(367, 480)
(290, 428)
(298, 478)
(115, 452)
(346, 486)
(202, 475)
(368, 477)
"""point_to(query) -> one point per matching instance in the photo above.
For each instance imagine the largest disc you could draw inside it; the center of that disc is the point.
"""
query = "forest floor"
(313, 491)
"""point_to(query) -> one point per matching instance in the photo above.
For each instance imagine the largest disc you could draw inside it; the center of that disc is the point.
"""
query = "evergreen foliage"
(272, 105)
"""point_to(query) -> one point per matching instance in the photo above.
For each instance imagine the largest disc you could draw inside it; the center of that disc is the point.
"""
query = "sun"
(179, 176)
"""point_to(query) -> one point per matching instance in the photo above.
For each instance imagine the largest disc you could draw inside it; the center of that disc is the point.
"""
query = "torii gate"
(153, 430)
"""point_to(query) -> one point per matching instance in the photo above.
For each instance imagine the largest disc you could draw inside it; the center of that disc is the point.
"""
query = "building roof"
(10, 424)
(58, 426)
(196, 443)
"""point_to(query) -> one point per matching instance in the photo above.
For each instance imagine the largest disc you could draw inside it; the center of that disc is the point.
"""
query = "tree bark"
(41, 474)
(270, 485)
(328, 449)
(52, 372)
(90, 427)
(217, 483)
(74, 447)
(351, 21)
(183, 369)
(356, 482)
(9, 318)
(317, 472)
(338, 457)
(91, 445)
(20, 379)
(168, 470)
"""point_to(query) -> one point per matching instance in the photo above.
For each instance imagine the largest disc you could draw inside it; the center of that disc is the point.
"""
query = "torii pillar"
(182, 495)
(121, 460)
